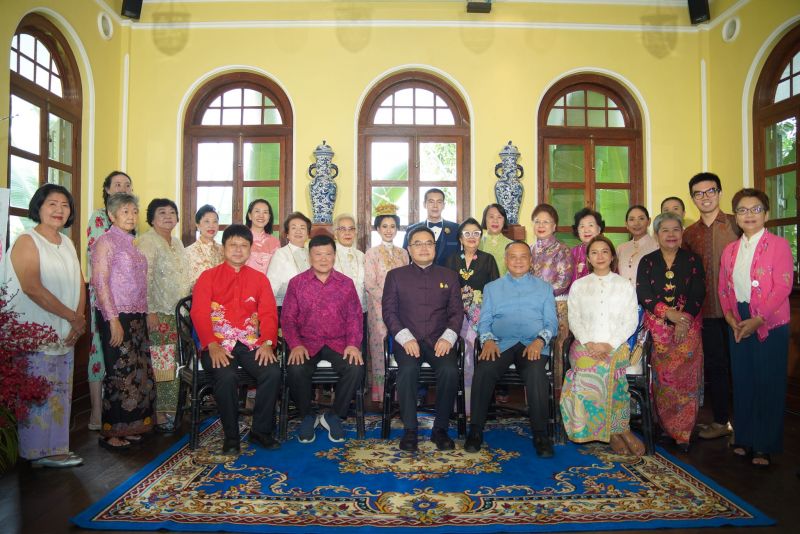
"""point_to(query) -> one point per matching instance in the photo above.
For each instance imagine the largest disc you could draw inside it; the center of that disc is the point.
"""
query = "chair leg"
(648, 426)
(283, 426)
(388, 393)
(194, 431)
(360, 426)
(180, 408)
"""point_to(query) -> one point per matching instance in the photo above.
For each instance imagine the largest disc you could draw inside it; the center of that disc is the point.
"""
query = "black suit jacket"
(445, 245)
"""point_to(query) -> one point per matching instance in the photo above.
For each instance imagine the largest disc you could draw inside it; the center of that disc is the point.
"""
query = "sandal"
(741, 451)
(761, 460)
(106, 444)
(135, 439)
(618, 445)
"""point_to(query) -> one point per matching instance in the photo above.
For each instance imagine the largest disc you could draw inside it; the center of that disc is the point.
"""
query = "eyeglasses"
(474, 233)
(710, 193)
(346, 228)
(755, 210)
(426, 244)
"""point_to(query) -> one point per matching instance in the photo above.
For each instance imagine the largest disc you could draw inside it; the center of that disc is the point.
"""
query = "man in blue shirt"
(518, 318)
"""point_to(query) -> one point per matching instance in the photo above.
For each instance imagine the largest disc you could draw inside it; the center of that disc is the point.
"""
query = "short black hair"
(292, 216)
(203, 211)
(705, 177)
(107, 182)
(677, 199)
(432, 190)
(237, 230)
(500, 209)
(249, 223)
(320, 240)
(637, 207)
(585, 212)
(468, 220)
(418, 229)
(160, 203)
(41, 195)
(379, 219)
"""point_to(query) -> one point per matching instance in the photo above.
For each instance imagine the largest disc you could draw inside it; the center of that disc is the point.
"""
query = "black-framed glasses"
(755, 210)
(427, 244)
(346, 228)
(710, 193)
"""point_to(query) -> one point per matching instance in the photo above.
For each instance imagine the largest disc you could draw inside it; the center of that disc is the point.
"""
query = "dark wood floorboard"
(41, 501)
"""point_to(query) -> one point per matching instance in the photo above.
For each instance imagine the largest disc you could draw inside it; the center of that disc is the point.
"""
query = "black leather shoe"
(543, 446)
(266, 441)
(230, 447)
(409, 441)
(442, 441)
(474, 440)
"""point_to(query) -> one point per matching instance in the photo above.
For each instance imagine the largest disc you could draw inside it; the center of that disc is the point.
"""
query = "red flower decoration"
(96, 367)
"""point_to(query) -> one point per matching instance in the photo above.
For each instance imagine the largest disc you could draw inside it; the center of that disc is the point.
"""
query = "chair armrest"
(565, 348)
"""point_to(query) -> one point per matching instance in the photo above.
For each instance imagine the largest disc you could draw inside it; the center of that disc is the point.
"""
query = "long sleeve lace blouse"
(119, 274)
(169, 276)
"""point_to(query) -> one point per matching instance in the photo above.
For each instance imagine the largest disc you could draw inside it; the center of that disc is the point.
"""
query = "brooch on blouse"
(443, 285)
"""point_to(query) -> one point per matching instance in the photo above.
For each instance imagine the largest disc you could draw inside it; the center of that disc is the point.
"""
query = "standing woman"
(99, 223)
(588, 223)
(475, 269)
(120, 282)
(45, 275)
(670, 285)
(378, 261)
(259, 219)
(637, 220)
(291, 259)
(755, 281)
(204, 253)
(169, 279)
(603, 313)
(493, 241)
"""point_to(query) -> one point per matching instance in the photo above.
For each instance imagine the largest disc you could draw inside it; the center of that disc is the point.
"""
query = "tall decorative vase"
(508, 190)
(323, 188)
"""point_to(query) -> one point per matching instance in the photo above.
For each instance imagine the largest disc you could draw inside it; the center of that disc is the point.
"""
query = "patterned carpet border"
(368, 484)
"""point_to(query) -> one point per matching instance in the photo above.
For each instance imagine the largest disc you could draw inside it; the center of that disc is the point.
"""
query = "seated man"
(234, 314)
(321, 319)
(422, 310)
(518, 318)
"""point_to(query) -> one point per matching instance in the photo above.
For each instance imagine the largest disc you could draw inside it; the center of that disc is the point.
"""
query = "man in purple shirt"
(422, 310)
(322, 319)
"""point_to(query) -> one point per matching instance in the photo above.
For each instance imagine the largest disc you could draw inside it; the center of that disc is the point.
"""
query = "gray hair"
(342, 216)
(666, 216)
(117, 200)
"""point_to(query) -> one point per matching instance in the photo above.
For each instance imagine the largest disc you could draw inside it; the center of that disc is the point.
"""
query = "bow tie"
(434, 224)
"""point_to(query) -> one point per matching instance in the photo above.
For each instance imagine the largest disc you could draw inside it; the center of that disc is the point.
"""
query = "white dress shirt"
(742, 283)
(288, 262)
(602, 309)
(350, 262)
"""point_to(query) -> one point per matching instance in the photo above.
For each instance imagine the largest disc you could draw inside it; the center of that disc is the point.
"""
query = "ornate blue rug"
(366, 484)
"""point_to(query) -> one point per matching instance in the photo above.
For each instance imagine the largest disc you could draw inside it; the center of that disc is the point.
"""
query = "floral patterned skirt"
(163, 352)
(128, 387)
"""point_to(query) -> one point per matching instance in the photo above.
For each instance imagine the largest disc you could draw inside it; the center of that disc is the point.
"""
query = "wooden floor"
(41, 501)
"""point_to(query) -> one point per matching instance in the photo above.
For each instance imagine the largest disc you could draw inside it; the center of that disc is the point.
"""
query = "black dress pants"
(533, 373)
(717, 366)
(299, 378)
(226, 390)
(446, 370)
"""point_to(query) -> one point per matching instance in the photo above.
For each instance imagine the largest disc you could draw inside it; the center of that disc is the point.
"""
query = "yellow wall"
(502, 68)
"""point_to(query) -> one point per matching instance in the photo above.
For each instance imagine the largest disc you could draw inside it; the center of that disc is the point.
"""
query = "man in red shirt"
(236, 320)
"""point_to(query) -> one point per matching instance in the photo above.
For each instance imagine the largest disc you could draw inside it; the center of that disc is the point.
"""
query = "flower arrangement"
(18, 390)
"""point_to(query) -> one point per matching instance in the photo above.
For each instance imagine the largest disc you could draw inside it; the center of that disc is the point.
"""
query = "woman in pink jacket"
(755, 280)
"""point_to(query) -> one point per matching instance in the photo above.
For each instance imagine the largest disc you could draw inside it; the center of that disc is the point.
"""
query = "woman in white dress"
(291, 259)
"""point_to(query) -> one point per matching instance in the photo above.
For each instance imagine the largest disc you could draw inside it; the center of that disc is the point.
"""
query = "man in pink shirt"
(322, 319)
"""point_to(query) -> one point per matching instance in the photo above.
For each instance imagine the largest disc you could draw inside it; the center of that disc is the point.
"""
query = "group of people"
(719, 286)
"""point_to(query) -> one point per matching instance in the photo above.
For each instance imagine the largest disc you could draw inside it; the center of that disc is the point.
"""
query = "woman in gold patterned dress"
(204, 253)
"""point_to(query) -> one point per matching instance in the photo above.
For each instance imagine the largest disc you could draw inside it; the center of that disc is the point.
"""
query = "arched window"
(45, 127)
(237, 148)
(776, 114)
(590, 152)
(413, 134)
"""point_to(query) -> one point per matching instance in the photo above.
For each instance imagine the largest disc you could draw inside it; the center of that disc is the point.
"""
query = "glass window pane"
(42, 78)
(786, 72)
(560, 102)
(440, 103)
(796, 62)
(272, 116)
(556, 117)
(268, 101)
(782, 198)
(27, 44)
(404, 116)
(26, 68)
(566, 163)
(57, 176)
(60, 137)
(389, 161)
(423, 116)
(444, 117)
(252, 98)
(394, 195)
(211, 117)
(612, 204)
(55, 86)
(780, 143)
(615, 119)
(796, 84)
(216, 103)
(13, 61)
(424, 97)
(383, 116)
(597, 118)
(782, 93)
(568, 238)
(214, 162)
(789, 233)
(612, 104)
(272, 195)
(24, 180)
(54, 68)
(596, 100)
(232, 116)
(437, 161)
(617, 238)
(404, 97)
(576, 99)
(387, 102)
(24, 125)
(18, 225)
(232, 98)
(262, 161)
(450, 211)
(576, 117)
(567, 203)
(219, 197)
(251, 116)
(611, 164)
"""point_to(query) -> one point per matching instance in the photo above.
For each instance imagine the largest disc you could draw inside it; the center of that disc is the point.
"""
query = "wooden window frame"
(414, 134)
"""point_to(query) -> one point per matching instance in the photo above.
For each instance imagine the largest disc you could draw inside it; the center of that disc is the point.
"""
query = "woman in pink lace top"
(119, 279)
(259, 219)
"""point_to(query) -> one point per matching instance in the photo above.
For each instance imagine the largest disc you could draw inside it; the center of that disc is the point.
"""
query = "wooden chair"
(426, 377)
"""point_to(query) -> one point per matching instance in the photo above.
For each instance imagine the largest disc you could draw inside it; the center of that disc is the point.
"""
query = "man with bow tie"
(445, 233)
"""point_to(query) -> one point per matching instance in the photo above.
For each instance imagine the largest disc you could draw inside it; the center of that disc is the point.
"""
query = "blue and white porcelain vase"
(323, 188)
(508, 189)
